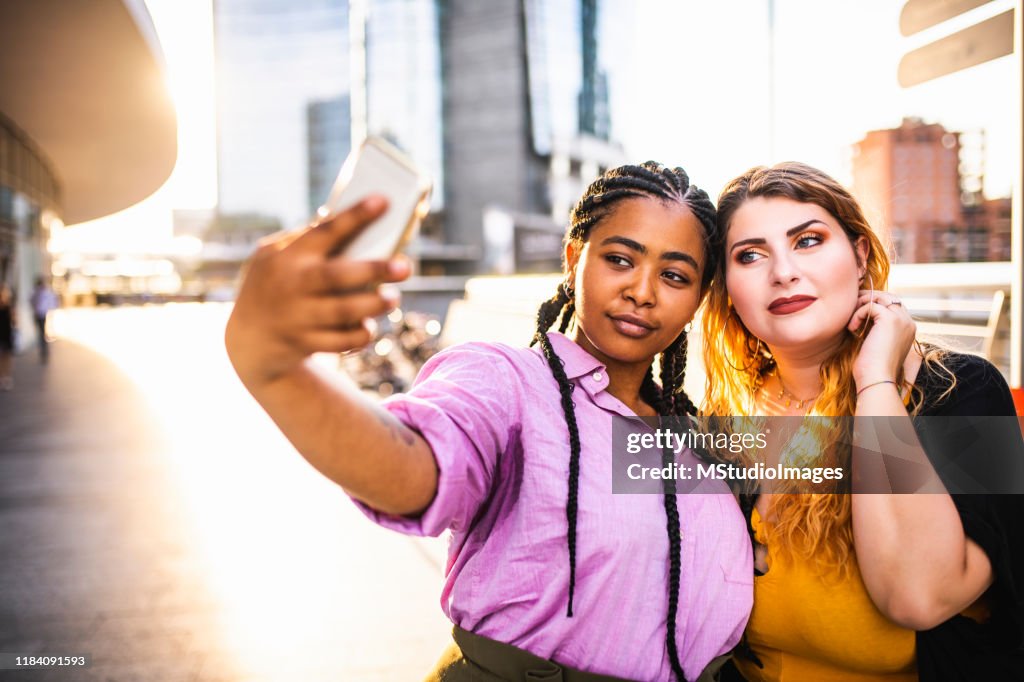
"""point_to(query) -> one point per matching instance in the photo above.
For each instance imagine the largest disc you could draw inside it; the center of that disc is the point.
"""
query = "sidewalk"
(153, 517)
(92, 561)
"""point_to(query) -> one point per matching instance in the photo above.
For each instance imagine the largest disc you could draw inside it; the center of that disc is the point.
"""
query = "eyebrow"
(641, 249)
(789, 233)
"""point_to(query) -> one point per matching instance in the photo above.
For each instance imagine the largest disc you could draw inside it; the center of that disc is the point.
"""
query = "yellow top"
(808, 627)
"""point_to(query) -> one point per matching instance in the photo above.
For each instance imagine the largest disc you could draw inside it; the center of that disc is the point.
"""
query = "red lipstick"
(785, 306)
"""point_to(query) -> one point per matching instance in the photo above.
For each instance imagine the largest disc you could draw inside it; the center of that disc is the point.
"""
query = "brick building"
(913, 186)
(908, 182)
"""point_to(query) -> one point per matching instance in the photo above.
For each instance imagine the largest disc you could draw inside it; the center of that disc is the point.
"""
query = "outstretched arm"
(299, 298)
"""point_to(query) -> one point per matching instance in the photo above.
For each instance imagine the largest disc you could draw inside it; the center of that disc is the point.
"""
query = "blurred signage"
(537, 250)
(917, 15)
(977, 44)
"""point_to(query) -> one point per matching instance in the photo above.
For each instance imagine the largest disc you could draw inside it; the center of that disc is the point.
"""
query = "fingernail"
(371, 326)
(398, 267)
(391, 294)
(374, 202)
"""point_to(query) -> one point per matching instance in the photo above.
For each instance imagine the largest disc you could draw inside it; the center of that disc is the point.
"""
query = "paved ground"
(152, 517)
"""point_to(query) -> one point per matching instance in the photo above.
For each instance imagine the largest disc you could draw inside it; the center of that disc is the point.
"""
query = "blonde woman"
(853, 587)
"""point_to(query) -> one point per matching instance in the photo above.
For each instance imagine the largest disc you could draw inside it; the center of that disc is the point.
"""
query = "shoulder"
(476, 352)
(495, 365)
(969, 368)
(965, 384)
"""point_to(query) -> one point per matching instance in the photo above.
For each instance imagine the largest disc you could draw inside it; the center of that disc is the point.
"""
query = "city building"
(212, 247)
(328, 141)
(87, 127)
(273, 58)
(922, 185)
(505, 103)
(988, 227)
(527, 121)
(398, 93)
(227, 242)
(908, 181)
(191, 222)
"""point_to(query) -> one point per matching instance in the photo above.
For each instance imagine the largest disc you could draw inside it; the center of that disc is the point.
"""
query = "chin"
(805, 338)
(626, 350)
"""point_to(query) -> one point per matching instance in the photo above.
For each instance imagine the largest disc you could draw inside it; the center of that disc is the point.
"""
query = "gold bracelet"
(883, 381)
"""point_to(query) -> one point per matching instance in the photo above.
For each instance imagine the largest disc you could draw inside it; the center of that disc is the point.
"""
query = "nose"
(642, 289)
(784, 269)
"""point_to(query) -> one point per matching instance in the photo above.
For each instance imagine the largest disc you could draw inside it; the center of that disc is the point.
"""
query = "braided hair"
(648, 180)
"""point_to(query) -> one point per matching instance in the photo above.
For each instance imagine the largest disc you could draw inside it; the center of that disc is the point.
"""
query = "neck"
(799, 369)
(624, 378)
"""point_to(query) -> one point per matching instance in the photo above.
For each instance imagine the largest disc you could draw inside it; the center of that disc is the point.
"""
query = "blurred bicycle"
(404, 342)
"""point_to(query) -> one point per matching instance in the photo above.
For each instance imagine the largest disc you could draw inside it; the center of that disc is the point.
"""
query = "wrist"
(863, 386)
(257, 363)
(862, 376)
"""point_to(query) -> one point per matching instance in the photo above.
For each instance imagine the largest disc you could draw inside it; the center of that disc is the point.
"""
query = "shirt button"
(598, 376)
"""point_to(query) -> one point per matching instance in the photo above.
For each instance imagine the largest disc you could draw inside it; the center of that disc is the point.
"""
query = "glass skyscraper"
(274, 57)
(526, 111)
(505, 103)
(403, 84)
(568, 86)
(329, 139)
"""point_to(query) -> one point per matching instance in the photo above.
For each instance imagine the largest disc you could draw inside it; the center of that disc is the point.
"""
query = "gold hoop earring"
(754, 359)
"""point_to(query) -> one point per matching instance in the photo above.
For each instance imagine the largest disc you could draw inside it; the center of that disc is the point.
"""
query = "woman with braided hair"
(511, 448)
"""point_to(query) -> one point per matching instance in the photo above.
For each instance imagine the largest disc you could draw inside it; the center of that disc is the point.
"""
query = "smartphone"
(377, 167)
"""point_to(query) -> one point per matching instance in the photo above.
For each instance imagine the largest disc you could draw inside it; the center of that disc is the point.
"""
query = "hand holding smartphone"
(377, 167)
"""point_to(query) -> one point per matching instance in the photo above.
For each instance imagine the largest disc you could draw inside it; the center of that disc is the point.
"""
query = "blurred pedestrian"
(6, 337)
(43, 301)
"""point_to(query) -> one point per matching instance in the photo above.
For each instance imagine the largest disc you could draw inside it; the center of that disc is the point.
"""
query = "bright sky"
(692, 91)
(702, 70)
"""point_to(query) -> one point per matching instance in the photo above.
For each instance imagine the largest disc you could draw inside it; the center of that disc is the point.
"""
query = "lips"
(785, 306)
(632, 325)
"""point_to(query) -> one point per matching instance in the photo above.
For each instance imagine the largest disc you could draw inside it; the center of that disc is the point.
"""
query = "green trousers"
(472, 658)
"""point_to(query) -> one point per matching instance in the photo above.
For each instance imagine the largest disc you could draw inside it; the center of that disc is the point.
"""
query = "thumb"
(331, 234)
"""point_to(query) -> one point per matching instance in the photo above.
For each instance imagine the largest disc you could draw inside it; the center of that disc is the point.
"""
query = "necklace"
(784, 394)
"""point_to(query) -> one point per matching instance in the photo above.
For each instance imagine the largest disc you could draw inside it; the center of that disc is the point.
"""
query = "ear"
(861, 249)
(573, 249)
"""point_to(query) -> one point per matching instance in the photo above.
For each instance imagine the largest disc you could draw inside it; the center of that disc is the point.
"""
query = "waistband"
(514, 664)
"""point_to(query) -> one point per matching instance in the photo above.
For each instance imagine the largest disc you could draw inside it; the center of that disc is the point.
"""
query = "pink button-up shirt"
(493, 417)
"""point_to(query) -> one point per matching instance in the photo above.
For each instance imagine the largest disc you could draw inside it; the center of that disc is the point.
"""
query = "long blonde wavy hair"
(817, 526)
